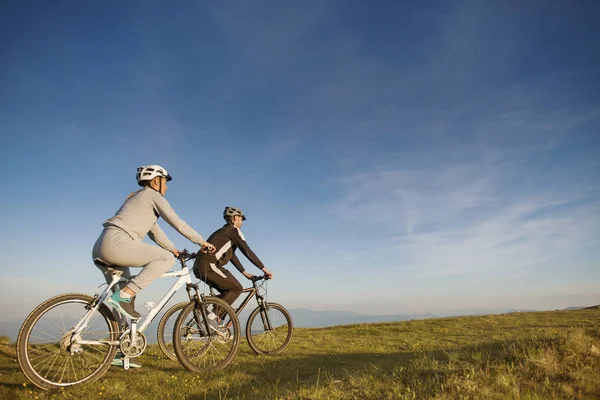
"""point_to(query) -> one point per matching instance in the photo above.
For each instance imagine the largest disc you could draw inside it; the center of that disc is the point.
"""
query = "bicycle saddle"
(111, 269)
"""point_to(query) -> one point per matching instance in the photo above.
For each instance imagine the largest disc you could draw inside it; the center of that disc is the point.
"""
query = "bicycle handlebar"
(185, 255)
(257, 278)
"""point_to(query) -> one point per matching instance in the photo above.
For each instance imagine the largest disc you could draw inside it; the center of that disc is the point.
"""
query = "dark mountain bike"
(268, 330)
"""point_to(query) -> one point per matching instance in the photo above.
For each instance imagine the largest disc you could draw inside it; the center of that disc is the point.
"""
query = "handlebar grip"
(185, 255)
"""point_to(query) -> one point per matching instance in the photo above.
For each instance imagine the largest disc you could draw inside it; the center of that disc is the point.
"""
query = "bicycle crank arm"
(106, 342)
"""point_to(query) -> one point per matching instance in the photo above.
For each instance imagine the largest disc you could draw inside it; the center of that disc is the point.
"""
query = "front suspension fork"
(200, 313)
(264, 316)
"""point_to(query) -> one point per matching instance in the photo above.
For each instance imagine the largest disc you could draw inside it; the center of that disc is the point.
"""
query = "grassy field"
(541, 355)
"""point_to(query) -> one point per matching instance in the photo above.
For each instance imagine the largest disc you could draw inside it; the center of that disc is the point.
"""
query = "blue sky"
(423, 157)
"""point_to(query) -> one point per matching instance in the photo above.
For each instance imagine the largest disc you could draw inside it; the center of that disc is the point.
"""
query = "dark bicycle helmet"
(232, 211)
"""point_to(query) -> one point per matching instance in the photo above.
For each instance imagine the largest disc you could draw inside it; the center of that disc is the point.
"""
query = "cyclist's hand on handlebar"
(268, 273)
(185, 255)
(176, 252)
(248, 275)
(207, 248)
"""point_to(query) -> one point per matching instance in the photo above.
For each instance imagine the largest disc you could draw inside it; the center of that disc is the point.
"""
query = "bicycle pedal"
(126, 363)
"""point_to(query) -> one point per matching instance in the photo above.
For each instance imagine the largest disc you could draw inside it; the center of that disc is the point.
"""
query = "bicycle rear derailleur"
(69, 342)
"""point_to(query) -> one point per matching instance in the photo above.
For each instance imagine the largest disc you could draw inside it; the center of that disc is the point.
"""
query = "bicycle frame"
(184, 279)
(252, 291)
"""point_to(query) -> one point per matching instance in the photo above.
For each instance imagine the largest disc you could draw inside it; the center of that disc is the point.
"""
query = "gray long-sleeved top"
(139, 214)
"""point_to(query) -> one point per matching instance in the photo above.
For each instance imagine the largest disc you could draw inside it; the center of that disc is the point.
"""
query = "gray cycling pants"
(116, 248)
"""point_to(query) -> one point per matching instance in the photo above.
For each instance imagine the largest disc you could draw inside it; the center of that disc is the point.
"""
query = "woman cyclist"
(120, 243)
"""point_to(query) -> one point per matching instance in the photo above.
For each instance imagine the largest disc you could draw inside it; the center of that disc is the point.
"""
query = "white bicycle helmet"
(148, 172)
(232, 211)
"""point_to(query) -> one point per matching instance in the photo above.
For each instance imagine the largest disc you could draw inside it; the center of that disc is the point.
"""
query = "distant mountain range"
(305, 318)
(583, 308)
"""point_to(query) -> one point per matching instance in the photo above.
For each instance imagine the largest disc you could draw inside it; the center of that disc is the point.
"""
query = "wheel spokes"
(54, 354)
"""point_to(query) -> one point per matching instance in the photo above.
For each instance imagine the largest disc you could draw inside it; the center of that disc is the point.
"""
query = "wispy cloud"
(459, 219)
(506, 194)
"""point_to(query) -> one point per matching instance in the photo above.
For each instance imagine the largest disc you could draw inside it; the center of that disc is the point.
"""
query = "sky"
(391, 157)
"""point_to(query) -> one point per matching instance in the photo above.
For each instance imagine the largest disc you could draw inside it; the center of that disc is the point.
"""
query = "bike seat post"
(115, 278)
(133, 329)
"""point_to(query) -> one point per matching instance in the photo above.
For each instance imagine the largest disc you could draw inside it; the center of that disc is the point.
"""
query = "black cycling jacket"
(227, 240)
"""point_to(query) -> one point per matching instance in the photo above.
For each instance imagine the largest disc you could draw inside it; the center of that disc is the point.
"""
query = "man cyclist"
(210, 266)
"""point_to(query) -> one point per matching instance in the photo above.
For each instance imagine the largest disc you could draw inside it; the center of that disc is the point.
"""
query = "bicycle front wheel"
(165, 330)
(52, 355)
(269, 331)
(198, 350)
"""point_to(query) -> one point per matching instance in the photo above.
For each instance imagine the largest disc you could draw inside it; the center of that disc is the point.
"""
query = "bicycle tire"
(86, 364)
(164, 332)
(278, 338)
(196, 351)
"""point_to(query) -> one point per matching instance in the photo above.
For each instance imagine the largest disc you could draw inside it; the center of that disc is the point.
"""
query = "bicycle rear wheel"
(199, 351)
(50, 354)
(271, 332)
(165, 330)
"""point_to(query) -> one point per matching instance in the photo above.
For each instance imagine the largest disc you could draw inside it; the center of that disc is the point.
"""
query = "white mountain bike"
(73, 338)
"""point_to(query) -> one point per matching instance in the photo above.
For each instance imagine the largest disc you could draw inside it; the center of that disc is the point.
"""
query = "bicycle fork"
(264, 313)
(200, 314)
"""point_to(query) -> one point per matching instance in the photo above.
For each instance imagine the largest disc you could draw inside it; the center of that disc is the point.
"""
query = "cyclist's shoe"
(213, 325)
(201, 330)
(213, 322)
(125, 306)
(122, 321)
(118, 361)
